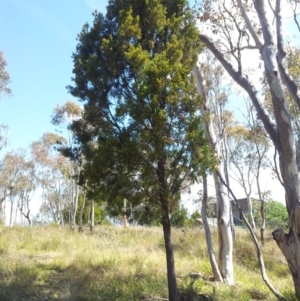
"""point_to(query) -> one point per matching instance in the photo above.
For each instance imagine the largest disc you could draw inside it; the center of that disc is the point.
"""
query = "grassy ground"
(113, 264)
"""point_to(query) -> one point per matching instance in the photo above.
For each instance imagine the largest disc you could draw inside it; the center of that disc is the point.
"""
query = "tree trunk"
(252, 221)
(4, 211)
(225, 257)
(214, 266)
(125, 222)
(16, 214)
(224, 232)
(82, 211)
(11, 213)
(262, 210)
(290, 246)
(164, 202)
(172, 282)
(75, 204)
(92, 216)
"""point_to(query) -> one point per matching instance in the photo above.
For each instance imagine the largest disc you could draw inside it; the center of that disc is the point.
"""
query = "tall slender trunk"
(262, 210)
(172, 282)
(164, 202)
(16, 214)
(11, 213)
(224, 151)
(81, 211)
(74, 204)
(92, 216)
(217, 275)
(225, 257)
(250, 206)
(224, 232)
(125, 222)
(4, 211)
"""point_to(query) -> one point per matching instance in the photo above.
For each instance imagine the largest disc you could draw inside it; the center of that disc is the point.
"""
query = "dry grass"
(126, 264)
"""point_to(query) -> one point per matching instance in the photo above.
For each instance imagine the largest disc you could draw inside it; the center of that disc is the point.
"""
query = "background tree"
(10, 166)
(4, 90)
(141, 130)
(4, 77)
(54, 175)
(64, 115)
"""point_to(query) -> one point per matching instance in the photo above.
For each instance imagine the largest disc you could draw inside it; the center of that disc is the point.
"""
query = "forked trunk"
(214, 266)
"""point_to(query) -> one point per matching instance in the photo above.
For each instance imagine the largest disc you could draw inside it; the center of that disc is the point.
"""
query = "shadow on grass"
(79, 282)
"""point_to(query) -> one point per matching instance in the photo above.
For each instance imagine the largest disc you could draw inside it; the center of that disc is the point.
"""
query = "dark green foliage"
(132, 70)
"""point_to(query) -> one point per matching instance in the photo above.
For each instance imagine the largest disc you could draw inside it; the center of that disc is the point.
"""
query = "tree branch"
(249, 25)
(247, 86)
(281, 59)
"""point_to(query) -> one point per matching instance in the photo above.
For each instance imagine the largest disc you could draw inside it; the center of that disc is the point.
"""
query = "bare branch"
(281, 59)
(249, 25)
(246, 85)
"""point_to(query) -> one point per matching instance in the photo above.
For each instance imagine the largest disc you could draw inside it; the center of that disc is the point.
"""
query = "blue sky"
(37, 38)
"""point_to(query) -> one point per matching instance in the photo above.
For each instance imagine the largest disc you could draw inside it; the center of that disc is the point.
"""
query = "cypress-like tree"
(141, 129)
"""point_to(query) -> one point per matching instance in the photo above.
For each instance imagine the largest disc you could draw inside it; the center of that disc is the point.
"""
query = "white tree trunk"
(250, 206)
(217, 275)
(92, 216)
(225, 257)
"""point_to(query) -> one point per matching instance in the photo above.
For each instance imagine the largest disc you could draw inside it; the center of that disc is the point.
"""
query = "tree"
(141, 129)
(65, 115)
(10, 167)
(54, 175)
(224, 271)
(4, 90)
(4, 77)
(275, 215)
(240, 34)
(25, 185)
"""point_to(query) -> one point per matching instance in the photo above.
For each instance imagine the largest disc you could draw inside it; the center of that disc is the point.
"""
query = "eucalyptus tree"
(10, 167)
(224, 271)
(4, 77)
(141, 131)
(4, 90)
(238, 35)
(25, 186)
(53, 174)
(63, 116)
